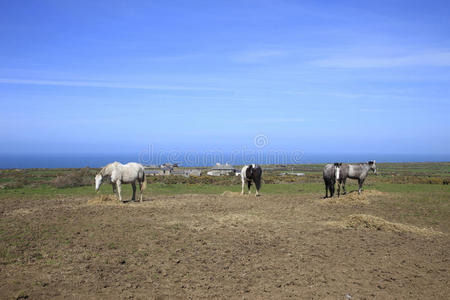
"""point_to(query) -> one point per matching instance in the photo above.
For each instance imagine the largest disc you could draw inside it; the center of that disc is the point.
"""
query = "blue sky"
(314, 76)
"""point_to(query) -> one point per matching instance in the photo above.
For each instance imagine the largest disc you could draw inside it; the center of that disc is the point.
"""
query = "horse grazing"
(251, 173)
(331, 173)
(119, 173)
(355, 171)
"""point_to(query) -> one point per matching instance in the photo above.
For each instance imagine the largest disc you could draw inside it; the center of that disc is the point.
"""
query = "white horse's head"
(98, 181)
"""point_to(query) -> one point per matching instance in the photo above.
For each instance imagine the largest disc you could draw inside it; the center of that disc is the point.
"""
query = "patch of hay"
(103, 199)
(373, 193)
(22, 212)
(238, 218)
(230, 194)
(349, 199)
(353, 198)
(362, 221)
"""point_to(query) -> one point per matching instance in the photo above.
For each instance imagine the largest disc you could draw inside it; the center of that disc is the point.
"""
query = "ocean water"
(198, 159)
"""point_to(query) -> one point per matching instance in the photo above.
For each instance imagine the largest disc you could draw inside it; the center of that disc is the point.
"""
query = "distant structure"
(170, 169)
(219, 170)
(166, 170)
(187, 172)
(292, 173)
(169, 165)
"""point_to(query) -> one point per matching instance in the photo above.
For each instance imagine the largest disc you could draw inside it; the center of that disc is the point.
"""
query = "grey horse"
(355, 171)
(251, 173)
(331, 173)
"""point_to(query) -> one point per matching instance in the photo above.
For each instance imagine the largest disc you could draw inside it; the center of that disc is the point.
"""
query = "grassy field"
(422, 185)
(197, 237)
(390, 173)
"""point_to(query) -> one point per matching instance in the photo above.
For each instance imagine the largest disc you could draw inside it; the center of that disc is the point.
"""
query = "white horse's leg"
(119, 189)
(243, 185)
(133, 184)
(140, 189)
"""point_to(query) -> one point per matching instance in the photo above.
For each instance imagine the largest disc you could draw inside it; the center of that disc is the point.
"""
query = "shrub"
(75, 178)
(17, 183)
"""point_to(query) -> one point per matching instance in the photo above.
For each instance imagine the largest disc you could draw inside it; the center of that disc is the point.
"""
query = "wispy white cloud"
(424, 59)
(373, 110)
(170, 58)
(400, 95)
(276, 120)
(256, 56)
(99, 84)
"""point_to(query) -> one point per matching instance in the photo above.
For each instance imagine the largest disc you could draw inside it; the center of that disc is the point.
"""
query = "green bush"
(17, 183)
(81, 177)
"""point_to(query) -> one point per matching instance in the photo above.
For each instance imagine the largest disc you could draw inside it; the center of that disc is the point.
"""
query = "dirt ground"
(219, 246)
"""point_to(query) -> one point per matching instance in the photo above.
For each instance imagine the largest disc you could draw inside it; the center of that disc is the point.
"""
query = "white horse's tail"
(144, 184)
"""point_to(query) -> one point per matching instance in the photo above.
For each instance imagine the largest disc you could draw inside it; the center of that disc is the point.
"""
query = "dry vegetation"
(376, 223)
(82, 177)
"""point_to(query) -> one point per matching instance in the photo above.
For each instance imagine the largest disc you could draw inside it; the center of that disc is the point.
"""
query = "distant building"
(219, 170)
(187, 172)
(195, 172)
(152, 172)
(151, 166)
(292, 173)
(170, 169)
(169, 165)
(166, 170)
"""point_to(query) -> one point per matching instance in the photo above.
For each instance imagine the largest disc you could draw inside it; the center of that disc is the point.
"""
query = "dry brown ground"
(217, 246)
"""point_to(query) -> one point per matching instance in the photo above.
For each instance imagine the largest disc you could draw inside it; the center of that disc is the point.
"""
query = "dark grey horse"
(355, 171)
(249, 174)
(331, 173)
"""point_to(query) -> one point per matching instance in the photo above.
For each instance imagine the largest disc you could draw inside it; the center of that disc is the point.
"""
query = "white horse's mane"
(107, 170)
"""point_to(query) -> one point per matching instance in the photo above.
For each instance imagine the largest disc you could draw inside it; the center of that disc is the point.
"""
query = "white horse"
(119, 174)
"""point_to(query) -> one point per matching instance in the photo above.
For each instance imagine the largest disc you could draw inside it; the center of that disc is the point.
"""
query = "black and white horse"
(249, 174)
(355, 171)
(331, 173)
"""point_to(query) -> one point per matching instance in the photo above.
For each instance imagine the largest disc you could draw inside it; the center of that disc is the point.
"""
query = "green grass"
(393, 177)
(410, 188)
(160, 189)
(167, 189)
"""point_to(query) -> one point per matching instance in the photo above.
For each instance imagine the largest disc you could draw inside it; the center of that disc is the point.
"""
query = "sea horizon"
(204, 159)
